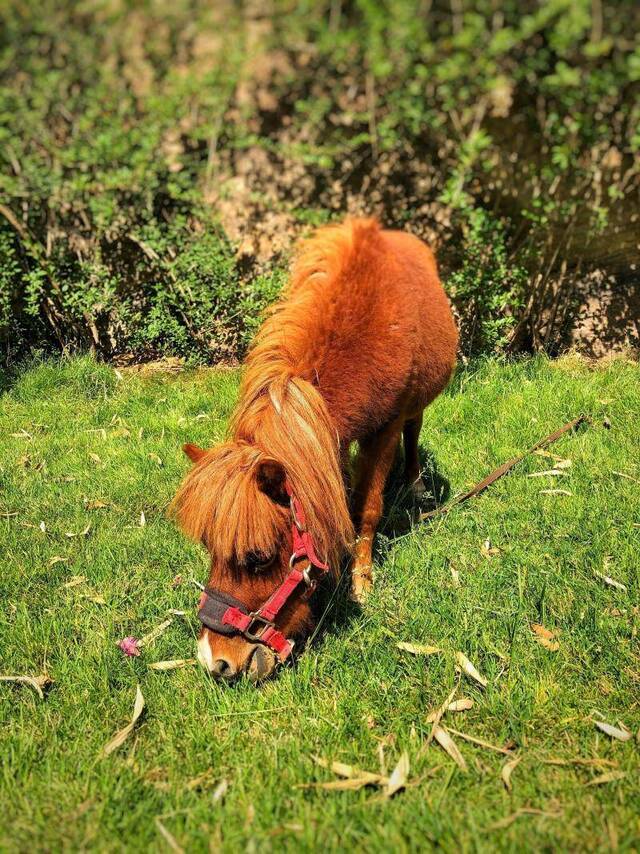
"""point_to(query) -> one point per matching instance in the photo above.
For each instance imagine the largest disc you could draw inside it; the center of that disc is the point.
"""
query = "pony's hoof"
(417, 489)
(361, 584)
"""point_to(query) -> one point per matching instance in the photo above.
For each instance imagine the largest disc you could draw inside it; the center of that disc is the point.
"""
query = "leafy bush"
(488, 288)
(105, 239)
(140, 145)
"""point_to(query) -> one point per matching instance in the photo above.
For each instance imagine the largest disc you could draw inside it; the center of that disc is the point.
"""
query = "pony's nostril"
(222, 669)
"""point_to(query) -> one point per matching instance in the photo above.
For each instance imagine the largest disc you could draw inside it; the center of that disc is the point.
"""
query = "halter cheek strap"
(226, 615)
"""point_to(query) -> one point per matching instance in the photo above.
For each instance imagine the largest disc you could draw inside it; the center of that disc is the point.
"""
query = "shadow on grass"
(401, 508)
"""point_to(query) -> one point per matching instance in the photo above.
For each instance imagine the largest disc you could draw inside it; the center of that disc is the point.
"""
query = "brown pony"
(361, 342)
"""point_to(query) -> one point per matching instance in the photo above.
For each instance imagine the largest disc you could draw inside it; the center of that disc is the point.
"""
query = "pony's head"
(235, 501)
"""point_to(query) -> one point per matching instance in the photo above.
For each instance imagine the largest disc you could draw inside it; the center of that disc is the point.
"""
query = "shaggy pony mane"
(281, 418)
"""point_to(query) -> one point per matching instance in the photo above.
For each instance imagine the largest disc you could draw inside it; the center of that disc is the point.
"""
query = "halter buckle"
(263, 625)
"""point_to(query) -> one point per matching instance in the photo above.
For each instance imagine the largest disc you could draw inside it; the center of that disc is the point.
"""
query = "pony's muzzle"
(223, 670)
(228, 658)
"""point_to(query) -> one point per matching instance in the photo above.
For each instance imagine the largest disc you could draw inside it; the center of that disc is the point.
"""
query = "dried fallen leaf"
(507, 771)
(418, 648)
(609, 777)
(509, 820)
(455, 577)
(447, 743)
(595, 762)
(121, 736)
(168, 837)
(36, 682)
(489, 550)
(95, 458)
(611, 582)
(155, 633)
(555, 492)
(143, 520)
(80, 534)
(352, 772)
(480, 742)
(350, 784)
(467, 667)
(220, 791)
(100, 430)
(436, 716)
(342, 769)
(75, 580)
(399, 775)
(552, 646)
(197, 782)
(613, 731)
(563, 464)
(95, 504)
(57, 559)
(156, 459)
(22, 434)
(549, 473)
(541, 452)
(173, 664)
(461, 705)
(542, 632)
(626, 476)
(545, 637)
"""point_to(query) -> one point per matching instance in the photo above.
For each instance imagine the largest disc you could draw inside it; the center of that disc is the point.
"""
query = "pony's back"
(368, 322)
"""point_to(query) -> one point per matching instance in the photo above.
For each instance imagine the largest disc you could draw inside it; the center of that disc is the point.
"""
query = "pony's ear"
(194, 453)
(271, 478)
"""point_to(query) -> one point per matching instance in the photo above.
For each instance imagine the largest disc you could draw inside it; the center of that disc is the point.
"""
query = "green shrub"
(121, 125)
(105, 239)
(488, 288)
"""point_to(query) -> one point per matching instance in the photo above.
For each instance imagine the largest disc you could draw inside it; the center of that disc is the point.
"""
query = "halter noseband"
(226, 615)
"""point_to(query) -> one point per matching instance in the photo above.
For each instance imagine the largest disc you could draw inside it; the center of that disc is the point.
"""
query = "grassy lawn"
(86, 452)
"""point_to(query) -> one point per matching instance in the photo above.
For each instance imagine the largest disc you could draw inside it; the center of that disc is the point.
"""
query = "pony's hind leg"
(375, 457)
(410, 436)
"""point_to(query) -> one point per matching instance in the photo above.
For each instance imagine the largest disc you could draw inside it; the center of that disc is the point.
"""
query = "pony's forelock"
(221, 504)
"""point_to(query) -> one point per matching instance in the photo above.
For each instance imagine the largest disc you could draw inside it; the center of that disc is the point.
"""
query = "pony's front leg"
(375, 458)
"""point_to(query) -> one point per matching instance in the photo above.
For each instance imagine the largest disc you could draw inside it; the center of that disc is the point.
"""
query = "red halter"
(226, 615)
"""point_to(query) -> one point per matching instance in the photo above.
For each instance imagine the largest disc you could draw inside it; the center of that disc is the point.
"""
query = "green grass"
(92, 436)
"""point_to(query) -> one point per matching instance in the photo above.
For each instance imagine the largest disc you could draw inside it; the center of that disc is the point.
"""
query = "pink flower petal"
(129, 646)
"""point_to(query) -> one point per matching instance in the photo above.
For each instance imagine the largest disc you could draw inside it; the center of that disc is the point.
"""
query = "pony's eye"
(258, 561)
